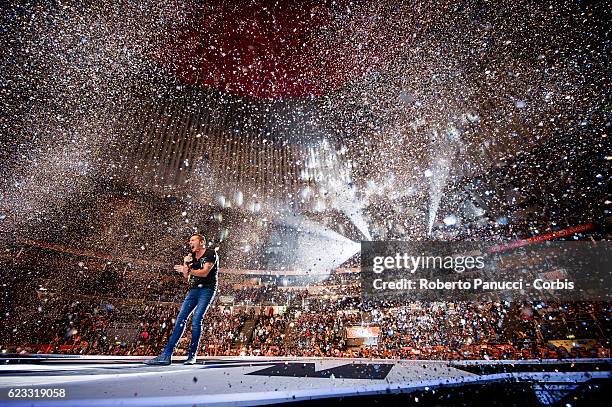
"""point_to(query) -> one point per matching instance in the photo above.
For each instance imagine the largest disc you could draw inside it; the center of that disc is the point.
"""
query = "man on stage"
(200, 268)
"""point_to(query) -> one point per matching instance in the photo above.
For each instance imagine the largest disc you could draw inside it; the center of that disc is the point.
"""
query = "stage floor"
(243, 381)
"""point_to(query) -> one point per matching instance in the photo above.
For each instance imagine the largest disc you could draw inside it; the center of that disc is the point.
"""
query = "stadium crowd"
(266, 319)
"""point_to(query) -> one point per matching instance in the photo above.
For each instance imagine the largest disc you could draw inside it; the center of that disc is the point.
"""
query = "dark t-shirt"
(210, 281)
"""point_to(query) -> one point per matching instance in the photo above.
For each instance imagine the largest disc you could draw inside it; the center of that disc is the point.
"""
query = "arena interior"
(286, 133)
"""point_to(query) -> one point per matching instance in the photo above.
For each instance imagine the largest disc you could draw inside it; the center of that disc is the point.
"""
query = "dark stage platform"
(246, 381)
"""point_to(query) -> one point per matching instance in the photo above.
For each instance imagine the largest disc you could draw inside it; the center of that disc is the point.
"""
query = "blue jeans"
(196, 301)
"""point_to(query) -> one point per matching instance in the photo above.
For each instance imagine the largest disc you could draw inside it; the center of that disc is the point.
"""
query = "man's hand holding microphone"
(184, 268)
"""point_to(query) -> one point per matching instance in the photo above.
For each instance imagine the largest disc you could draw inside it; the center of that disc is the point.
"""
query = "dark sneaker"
(161, 360)
(191, 360)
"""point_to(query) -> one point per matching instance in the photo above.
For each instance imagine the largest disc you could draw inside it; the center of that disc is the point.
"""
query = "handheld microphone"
(190, 255)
